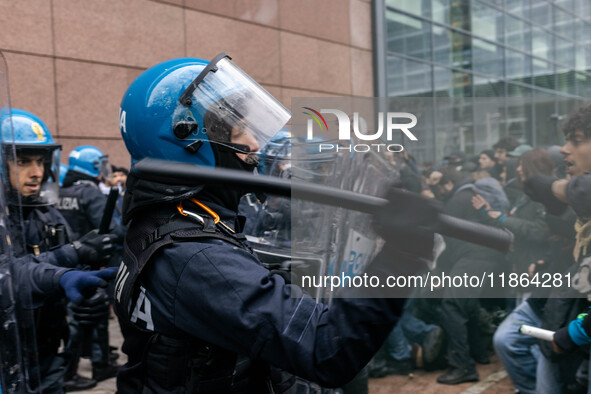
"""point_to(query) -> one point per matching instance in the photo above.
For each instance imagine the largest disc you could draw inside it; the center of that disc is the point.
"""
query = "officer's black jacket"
(41, 278)
(81, 203)
(211, 292)
(36, 237)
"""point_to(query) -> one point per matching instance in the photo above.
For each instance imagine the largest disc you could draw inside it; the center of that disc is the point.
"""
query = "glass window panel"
(540, 12)
(541, 43)
(518, 8)
(543, 74)
(488, 58)
(565, 52)
(443, 81)
(546, 129)
(461, 50)
(453, 126)
(487, 22)
(581, 58)
(441, 45)
(568, 4)
(459, 14)
(489, 121)
(487, 87)
(583, 32)
(565, 81)
(583, 83)
(440, 11)
(519, 112)
(518, 66)
(518, 33)
(408, 35)
(416, 7)
(452, 83)
(408, 78)
(583, 9)
(563, 23)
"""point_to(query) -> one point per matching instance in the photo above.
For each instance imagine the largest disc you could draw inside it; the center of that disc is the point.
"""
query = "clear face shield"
(19, 371)
(238, 114)
(269, 221)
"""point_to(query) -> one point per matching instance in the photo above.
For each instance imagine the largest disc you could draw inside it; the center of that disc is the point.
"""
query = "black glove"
(92, 309)
(539, 188)
(94, 248)
(408, 222)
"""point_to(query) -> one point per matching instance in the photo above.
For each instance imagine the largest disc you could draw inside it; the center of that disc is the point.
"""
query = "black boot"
(399, 367)
(102, 371)
(78, 383)
(458, 375)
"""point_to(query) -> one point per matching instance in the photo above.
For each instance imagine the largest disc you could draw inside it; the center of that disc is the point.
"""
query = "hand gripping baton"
(165, 171)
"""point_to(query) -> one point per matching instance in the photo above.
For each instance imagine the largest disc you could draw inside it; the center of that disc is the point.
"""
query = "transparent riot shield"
(370, 174)
(19, 372)
(338, 149)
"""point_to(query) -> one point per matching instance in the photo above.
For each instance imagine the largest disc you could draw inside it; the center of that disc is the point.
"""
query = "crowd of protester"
(510, 186)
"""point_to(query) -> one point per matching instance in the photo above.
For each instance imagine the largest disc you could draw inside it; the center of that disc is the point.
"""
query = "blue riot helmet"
(89, 160)
(179, 110)
(29, 136)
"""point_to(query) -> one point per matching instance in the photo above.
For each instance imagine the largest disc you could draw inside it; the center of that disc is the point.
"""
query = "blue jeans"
(527, 367)
(409, 330)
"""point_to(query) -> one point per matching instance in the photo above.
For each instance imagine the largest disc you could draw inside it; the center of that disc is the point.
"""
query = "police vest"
(176, 365)
(70, 206)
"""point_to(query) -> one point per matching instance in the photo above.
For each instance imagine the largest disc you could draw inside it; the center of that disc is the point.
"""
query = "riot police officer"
(31, 155)
(198, 311)
(82, 203)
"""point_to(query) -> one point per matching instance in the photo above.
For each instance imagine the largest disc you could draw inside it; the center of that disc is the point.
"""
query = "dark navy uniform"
(82, 203)
(199, 313)
(46, 235)
(42, 278)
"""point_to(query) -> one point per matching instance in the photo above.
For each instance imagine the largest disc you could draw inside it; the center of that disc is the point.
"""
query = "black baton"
(165, 171)
(109, 208)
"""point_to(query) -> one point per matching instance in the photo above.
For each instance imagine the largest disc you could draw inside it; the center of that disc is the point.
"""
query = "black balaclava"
(228, 197)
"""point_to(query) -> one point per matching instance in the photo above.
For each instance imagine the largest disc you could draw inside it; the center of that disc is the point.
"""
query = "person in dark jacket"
(197, 309)
(82, 203)
(526, 219)
(43, 231)
(460, 307)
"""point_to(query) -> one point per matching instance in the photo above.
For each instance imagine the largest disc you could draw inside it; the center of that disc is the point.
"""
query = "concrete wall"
(70, 61)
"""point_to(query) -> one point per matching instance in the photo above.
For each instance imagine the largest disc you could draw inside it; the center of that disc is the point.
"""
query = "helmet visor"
(233, 104)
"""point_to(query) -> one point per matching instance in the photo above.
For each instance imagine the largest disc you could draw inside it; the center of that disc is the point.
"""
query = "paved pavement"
(493, 378)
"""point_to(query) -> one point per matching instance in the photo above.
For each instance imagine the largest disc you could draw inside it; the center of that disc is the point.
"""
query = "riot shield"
(19, 372)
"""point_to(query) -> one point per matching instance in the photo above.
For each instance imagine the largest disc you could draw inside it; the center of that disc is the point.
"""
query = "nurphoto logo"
(392, 120)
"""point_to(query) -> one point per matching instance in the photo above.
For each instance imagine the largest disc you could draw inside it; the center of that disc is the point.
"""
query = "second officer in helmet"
(30, 170)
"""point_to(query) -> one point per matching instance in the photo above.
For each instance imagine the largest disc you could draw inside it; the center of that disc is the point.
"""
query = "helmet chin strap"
(232, 147)
(222, 146)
